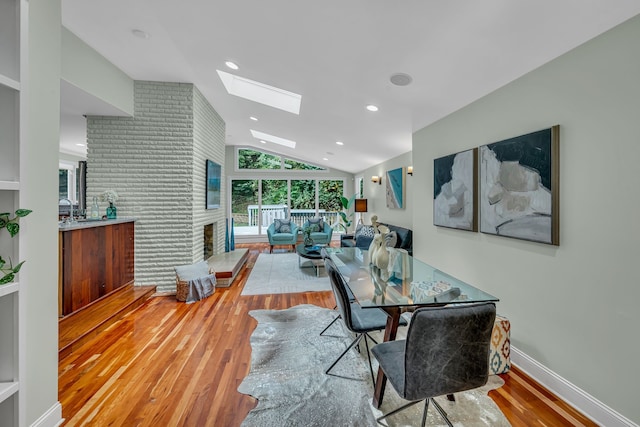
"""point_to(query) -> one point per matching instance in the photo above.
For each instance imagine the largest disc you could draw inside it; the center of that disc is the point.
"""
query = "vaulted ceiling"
(339, 56)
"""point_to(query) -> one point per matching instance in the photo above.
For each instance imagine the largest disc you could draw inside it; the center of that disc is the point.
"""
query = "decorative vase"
(226, 235)
(112, 212)
(232, 239)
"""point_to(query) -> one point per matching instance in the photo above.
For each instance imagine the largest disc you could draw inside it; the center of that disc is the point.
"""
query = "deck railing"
(269, 213)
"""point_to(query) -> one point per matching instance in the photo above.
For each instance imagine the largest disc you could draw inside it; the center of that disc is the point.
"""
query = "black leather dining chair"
(358, 320)
(446, 351)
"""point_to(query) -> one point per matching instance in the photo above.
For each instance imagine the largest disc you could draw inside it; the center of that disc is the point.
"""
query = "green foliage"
(251, 159)
(295, 165)
(12, 226)
(345, 215)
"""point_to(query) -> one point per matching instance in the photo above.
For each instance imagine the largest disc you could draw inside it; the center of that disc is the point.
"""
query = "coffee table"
(312, 253)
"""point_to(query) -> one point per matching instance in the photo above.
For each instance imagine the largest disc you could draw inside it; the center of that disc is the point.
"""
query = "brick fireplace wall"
(156, 162)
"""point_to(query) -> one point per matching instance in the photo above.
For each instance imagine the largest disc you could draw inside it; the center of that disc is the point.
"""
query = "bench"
(227, 265)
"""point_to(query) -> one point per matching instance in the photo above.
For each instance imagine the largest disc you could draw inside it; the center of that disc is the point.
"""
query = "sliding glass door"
(256, 203)
(244, 206)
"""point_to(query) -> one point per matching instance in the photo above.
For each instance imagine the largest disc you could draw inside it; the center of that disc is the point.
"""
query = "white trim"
(51, 418)
(585, 403)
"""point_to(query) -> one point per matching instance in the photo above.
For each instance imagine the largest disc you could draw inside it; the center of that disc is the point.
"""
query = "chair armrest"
(328, 230)
(294, 228)
(271, 230)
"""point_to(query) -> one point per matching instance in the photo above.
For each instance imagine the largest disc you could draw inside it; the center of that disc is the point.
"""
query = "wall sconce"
(410, 170)
(377, 179)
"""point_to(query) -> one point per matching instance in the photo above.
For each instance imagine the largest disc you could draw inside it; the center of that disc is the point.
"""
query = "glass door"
(244, 206)
(274, 203)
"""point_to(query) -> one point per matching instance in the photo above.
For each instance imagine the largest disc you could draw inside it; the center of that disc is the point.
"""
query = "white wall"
(39, 231)
(208, 143)
(376, 193)
(152, 161)
(89, 71)
(573, 308)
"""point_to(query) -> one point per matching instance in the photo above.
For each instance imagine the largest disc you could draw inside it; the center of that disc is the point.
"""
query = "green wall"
(573, 308)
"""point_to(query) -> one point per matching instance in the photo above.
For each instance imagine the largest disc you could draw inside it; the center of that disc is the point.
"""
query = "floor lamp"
(360, 207)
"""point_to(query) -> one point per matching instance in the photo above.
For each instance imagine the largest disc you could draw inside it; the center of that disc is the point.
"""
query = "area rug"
(280, 274)
(287, 377)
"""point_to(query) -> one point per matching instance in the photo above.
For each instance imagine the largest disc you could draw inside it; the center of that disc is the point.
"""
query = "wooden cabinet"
(94, 262)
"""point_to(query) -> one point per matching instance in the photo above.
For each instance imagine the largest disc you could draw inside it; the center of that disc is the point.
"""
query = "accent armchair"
(324, 231)
(282, 232)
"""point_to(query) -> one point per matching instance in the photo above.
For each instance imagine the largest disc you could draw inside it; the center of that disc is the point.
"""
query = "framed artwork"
(520, 185)
(396, 188)
(455, 190)
(213, 171)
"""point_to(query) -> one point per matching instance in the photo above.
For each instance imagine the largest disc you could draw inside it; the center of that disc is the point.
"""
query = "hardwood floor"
(173, 364)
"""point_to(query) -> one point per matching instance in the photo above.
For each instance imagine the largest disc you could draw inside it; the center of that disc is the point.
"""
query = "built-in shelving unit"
(13, 18)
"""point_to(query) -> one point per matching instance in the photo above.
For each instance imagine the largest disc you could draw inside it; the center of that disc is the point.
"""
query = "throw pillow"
(318, 222)
(365, 231)
(192, 271)
(282, 225)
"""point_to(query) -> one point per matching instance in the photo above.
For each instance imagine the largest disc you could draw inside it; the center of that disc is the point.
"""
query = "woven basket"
(182, 289)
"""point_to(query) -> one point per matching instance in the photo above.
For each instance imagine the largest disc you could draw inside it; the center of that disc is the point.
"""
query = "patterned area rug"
(287, 377)
(280, 274)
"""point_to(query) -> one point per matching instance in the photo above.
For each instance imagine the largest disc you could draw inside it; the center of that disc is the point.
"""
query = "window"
(255, 203)
(258, 160)
(251, 159)
(290, 164)
(68, 181)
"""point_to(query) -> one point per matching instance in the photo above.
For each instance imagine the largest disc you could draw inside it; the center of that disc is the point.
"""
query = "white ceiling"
(339, 56)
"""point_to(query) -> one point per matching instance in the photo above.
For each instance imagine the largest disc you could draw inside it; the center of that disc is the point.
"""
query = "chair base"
(353, 343)
(441, 411)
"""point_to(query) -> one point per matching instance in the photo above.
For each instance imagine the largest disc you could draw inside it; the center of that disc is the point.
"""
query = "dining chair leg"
(424, 413)
(366, 344)
(329, 325)
(355, 341)
(443, 414)
(395, 411)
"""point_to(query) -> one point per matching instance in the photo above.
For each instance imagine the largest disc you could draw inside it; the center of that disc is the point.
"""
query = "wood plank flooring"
(174, 364)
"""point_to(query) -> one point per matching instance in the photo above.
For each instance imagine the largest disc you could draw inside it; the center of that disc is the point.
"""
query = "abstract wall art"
(396, 188)
(455, 190)
(519, 187)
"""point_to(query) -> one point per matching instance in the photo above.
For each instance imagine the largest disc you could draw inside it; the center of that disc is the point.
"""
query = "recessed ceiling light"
(264, 142)
(260, 92)
(231, 65)
(81, 145)
(339, 142)
(401, 79)
(272, 138)
(324, 158)
(140, 34)
(255, 119)
(372, 107)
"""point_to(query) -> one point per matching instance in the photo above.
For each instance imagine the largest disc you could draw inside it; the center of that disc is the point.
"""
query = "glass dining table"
(404, 284)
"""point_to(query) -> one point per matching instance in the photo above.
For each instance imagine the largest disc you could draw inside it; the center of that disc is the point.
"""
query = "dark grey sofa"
(362, 241)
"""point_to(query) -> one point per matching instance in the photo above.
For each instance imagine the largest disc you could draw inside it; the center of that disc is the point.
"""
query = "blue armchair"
(321, 236)
(282, 232)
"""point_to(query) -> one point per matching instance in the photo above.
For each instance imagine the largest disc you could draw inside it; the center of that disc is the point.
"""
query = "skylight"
(272, 138)
(260, 92)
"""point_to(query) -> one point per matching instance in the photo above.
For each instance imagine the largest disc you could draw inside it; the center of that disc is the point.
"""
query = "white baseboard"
(51, 418)
(574, 396)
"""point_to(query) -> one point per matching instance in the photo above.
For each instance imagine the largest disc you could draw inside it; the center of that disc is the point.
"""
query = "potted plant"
(306, 234)
(11, 224)
(345, 215)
